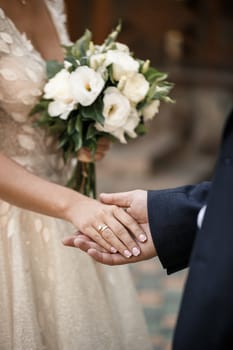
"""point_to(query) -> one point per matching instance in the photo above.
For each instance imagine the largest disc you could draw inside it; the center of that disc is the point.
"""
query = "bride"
(52, 297)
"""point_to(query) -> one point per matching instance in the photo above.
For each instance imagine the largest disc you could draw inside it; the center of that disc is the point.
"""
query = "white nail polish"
(135, 251)
(113, 250)
(127, 254)
(142, 238)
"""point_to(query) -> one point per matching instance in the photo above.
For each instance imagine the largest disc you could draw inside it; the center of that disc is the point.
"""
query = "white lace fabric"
(51, 297)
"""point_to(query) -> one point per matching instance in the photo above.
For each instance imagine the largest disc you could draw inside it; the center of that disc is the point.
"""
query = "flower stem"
(83, 179)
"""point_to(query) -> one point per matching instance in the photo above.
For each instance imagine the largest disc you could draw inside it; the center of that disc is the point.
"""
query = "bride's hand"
(101, 255)
(84, 154)
(108, 225)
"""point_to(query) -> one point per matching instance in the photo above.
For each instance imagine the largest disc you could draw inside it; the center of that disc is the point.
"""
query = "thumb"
(122, 199)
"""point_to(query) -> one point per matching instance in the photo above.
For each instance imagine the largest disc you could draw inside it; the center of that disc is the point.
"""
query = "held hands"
(107, 225)
(101, 255)
(135, 204)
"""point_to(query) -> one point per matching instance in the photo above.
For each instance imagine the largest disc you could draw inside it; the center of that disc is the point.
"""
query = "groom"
(189, 226)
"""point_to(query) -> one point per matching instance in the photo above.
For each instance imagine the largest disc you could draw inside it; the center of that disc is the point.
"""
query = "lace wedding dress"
(51, 297)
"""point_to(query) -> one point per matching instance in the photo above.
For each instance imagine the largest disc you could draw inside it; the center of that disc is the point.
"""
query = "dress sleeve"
(173, 222)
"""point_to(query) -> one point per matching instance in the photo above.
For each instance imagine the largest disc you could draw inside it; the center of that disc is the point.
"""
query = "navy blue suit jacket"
(205, 320)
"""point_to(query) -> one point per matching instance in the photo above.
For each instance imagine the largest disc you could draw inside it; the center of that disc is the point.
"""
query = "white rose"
(149, 111)
(86, 85)
(58, 87)
(58, 108)
(122, 63)
(129, 127)
(134, 87)
(132, 123)
(116, 111)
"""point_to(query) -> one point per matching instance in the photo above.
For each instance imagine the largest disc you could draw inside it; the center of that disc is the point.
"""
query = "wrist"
(64, 203)
(70, 206)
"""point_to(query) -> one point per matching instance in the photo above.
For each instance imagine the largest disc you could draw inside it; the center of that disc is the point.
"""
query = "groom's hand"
(135, 203)
(101, 255)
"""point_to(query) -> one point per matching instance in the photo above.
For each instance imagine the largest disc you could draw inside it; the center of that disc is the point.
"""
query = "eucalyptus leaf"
(52, 68)
(81, 46)
(153, 75)
(111, 38)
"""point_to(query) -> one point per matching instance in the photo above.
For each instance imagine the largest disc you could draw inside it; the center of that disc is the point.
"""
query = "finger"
(102, 148)
(69, 241)
(99, 156)
(121, 238)
(84, 155)
(84, 244)
(132, 226)
(97, 237)
(104, 141)
(122, 199)
(110, 259)
(111, 235)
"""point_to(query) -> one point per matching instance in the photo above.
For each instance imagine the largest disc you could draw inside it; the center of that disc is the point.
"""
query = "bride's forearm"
(26, 190)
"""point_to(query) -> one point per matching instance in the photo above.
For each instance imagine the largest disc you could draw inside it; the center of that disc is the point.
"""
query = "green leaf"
(71, 126)
(52, 68)
(78, 124)
(73, 61)
(153, 74)
(41, 106)
(63, 142)
(141, 129)
(111, 38)
(91, 132)
(91, 144)
(78, 142)
(80, 47)
(94, 112)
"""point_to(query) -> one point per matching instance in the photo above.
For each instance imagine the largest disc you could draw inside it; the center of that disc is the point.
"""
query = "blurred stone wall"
(192, 41)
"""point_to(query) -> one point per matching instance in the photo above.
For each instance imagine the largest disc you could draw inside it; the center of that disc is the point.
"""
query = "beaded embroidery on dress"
(51, 297)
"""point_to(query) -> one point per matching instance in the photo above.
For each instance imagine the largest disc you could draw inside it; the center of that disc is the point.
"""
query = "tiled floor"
(160, 296)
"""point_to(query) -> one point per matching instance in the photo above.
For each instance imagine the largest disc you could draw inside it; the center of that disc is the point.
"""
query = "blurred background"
(192, 40)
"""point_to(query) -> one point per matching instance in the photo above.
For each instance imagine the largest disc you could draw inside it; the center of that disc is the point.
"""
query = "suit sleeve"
(172, 217)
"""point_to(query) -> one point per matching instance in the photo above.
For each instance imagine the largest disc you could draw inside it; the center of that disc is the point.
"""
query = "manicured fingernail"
(135, 251)
(142, 238)
(76, 241)
(127, 254)
(113, 250)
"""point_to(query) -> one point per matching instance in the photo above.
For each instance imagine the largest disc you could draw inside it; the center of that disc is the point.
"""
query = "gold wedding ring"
(101, 228)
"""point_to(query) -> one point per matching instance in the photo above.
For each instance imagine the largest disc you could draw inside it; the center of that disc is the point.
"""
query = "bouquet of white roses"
(99, 90)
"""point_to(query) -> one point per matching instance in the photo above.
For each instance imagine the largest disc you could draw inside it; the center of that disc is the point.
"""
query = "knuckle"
(129, 221)
(96, 237)
(107, 235)
(84, 227)
(121, 232)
